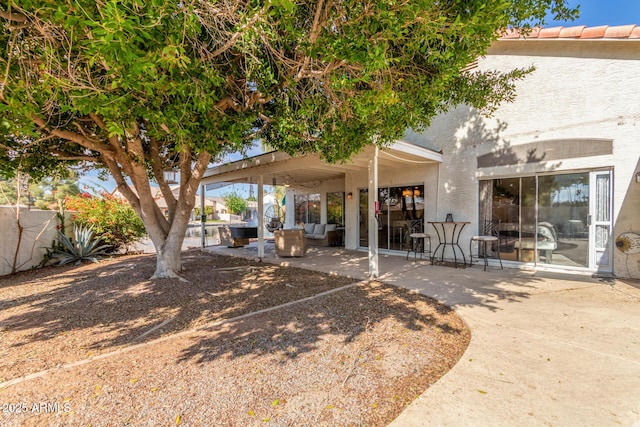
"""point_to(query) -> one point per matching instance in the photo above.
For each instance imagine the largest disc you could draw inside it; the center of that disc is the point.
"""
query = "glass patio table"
(448, 233)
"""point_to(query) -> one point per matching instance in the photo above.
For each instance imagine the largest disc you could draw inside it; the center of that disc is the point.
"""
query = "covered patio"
(406, 163)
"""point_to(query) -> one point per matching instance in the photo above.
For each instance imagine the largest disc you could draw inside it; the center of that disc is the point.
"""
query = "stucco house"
(211, 203)
(556, 171)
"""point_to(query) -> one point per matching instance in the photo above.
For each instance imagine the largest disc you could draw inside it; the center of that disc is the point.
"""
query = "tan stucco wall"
(591, 95)
(39, 233)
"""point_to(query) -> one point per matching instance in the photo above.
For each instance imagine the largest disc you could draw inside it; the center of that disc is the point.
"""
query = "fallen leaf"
(251, 413)
(482, 392)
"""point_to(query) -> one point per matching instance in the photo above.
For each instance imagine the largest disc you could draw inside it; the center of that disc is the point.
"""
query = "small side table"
(449, 239)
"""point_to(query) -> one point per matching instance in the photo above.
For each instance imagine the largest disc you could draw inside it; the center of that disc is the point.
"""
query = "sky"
(592, 13)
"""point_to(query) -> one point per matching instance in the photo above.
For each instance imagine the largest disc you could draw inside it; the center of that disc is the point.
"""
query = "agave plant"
(84, 246)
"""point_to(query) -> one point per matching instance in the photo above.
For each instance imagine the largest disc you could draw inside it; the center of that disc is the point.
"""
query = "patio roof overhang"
(298, 171)
(310, 168)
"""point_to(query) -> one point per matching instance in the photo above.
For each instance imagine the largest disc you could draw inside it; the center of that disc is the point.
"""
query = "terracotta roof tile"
(621, 31)
(550, 33)
(578, 32)
(572, 32)
(594, 32)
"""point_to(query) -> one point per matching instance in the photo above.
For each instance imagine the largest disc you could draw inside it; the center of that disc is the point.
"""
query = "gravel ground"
(243, 343)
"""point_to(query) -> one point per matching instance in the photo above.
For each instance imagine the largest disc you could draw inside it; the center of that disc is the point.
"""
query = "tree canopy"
(138, 86)
(235, 203)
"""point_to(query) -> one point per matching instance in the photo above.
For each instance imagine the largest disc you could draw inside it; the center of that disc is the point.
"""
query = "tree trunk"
(168, 244)
(169, 247)
(169, 260)
(167, 234)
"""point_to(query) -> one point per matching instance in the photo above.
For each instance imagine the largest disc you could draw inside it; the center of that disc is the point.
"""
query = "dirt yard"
(101, 345)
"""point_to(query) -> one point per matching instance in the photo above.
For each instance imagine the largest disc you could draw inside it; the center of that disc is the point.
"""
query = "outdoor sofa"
(322, 234)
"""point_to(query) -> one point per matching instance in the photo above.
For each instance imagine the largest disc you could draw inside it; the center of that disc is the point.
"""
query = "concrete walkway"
(557, 350)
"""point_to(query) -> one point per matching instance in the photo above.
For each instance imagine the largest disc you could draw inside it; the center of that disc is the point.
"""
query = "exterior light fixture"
(349, 195)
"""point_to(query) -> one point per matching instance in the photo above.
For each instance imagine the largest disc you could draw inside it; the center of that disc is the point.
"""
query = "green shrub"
(112, 219)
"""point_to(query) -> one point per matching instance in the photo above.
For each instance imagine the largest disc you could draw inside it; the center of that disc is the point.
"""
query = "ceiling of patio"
(305, 170)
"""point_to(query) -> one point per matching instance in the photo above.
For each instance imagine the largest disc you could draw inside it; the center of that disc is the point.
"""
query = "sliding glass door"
(563, 212)
(397, 205)
(600, 221)
(562, 219)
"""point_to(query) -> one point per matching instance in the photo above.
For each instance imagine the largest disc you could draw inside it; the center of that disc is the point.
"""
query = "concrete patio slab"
(546, 349)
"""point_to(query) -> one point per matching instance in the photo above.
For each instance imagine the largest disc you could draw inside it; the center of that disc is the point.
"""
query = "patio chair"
(418, 236)
(290, 243)
(273, 225)
(491, 235)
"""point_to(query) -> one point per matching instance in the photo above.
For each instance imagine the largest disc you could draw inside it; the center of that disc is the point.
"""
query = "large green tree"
(136, 86)
(235, 203)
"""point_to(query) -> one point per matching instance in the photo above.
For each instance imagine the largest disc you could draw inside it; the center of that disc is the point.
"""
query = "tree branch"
(158, 172)
(188, 188)
(81, 158)
(232, 40)
(15, 17)
(78, 138)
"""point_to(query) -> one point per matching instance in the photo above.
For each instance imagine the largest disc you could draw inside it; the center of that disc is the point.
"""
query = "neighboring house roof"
(578, 32)
(175, 189)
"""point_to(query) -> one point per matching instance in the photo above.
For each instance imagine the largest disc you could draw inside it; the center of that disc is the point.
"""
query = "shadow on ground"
(347, 313)
(58, 315)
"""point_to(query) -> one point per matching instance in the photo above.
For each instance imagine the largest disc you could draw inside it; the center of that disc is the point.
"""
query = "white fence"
(39, 231)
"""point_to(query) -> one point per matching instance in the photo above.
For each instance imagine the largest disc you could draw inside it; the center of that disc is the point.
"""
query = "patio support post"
(373, 223)
(202, 217)
(260, 217)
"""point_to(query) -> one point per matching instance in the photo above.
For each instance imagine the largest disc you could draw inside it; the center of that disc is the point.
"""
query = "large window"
(335, 208)
(307, 208)
(547, 218)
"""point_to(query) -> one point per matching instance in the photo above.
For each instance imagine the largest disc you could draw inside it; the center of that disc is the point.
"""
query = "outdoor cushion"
(330, 227)
(308, 228)
(319, 229)
(316, 236)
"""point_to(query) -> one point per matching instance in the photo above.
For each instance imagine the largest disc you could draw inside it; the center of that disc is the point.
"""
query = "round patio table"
(448, 233)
